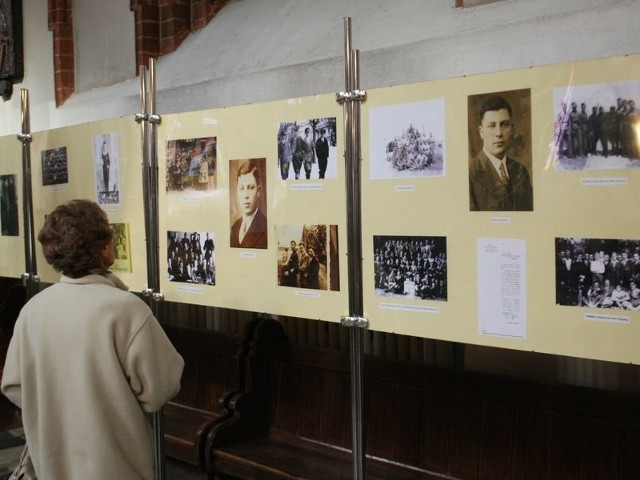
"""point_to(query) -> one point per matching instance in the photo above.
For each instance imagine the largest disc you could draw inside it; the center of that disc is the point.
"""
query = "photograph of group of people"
(191, 164)
(595, 126)
(55, 170)
(9, 222)
(307, 149)
(410, 267)
(407, 140)
(598, 273)
(308, 256)
(121, 243)
(191, 257)
(107, 168)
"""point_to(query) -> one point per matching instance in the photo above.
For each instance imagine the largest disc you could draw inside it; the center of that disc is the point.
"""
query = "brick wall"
(160, 28)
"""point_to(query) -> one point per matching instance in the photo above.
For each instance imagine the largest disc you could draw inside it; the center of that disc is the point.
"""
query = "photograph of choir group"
(598, 273)
(191, 257)
(54, 166)
(307, 149)
(407, 140)
(9, 206)
(308, 256)
(191, 165)
(410, 267)
(107, 168)
(121, 243)
(596, 126)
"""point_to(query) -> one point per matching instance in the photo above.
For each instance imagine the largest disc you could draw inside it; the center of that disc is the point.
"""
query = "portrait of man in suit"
(249, 227)
(500, 152)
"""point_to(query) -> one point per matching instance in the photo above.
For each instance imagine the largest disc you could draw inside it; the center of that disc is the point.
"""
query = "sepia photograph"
(407, 140)
(598, 273)
(595, 127)
(107, 168)
(191, 165)
(307, 149)
(191, 257)
(54, 166)
(410, 267)
(500, 158)
(248, 203)
(122, 247)
(308, 256)
(9, 222)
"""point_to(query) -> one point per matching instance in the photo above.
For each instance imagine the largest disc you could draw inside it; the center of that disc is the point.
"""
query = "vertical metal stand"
(30, 278)
(150, 193)
(351, 99)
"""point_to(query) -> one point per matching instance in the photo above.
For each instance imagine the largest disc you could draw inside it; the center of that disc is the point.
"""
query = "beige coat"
(87, 363)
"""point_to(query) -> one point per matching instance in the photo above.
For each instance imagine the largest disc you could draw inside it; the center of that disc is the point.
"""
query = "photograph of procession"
(597, 127)
(410, 267)
(191, 165)
(598, 273)
(407, 140)
(308, 256)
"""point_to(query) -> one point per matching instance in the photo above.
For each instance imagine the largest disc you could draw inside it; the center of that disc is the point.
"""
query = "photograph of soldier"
(595, 127)
(499, 127)
(191, 257)
(307, 149)
(191, 165)
(9, 206)
(54, 166)
(107, 168)
(248, 204)
(308, 256)
(122, 247)
(410, 267)
(598, 273)
(407, 140)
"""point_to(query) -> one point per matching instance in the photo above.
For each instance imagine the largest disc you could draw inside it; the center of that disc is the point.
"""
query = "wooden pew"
(421, 423)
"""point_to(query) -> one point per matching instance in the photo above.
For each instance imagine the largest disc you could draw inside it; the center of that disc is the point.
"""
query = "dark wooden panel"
(532, 431)
(311, 407)
(567, 446)
(287, 400)
(466, 422)
(496, 441)
(437, 431)
(335, 424)
(378, 422)
(406, 445)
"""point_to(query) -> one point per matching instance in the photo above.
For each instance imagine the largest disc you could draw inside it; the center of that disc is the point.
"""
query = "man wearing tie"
(496, 181)
(250, 230)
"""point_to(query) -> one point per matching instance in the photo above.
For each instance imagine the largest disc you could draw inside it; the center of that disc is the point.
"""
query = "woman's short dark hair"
(73, 237)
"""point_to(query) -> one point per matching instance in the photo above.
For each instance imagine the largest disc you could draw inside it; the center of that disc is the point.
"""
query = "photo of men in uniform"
(191, 165)
(500, 151)
(191, 257)
(248, 196)
(54, 166)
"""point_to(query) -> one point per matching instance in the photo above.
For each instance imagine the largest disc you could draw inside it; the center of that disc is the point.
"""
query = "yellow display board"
(12, 263)
(77, 162)
(501, 285)
(252, 206)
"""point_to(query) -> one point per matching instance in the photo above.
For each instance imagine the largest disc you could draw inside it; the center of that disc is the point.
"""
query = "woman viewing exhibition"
(88, 361)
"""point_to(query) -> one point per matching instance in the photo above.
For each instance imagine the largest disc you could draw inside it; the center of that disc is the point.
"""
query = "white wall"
(272, 49)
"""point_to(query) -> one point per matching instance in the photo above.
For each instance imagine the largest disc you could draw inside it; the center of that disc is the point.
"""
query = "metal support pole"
(30, 278)
(351, 99)
(150, 194)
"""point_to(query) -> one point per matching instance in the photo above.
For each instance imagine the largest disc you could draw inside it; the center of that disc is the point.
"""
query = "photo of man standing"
(498, 182)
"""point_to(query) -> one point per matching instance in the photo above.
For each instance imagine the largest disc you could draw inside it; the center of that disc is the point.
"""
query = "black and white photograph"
(248, 203)
(410, 267)
(107, 168)
(407, 140)
(122, 248)
(500, 157)
(308, 256)
(595, 127)
(598, 273)
(9, 206)
(191, 257)
(191, 165)
(307, 149)
(54, 166)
